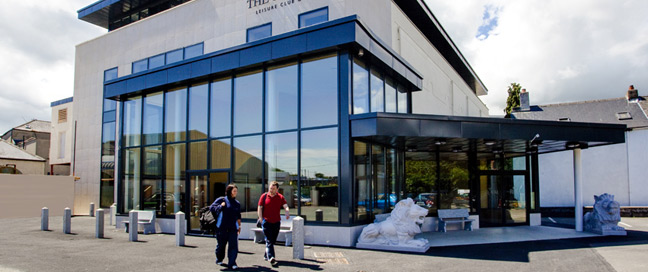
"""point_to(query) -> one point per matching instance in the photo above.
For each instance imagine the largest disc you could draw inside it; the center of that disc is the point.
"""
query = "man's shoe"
(273, 261)
(219, 262)
(233, 267)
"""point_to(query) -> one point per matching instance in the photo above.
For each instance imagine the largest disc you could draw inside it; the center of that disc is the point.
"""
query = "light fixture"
(535, 143)
(411, 148)
(497, 150)
(456, 149)
(489, 142)
(360, 52)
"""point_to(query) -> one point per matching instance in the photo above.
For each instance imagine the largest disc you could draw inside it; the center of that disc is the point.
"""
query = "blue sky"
(560, 51)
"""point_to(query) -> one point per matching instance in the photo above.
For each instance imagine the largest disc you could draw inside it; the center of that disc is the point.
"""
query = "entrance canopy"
(414, 132)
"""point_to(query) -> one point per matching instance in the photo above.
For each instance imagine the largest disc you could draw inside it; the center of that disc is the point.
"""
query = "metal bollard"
(113, 213)
(319, 215)
(99, 229)
(44, 218)
(180, 228)
(67, 221)
(132, 226)
(298, 238)
(92, 210)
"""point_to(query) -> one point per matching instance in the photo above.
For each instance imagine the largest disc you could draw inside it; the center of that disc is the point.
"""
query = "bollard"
(113, 213)
(92, 211)
(319, 215)
(132, 226)
(45, 218)
(99, 229)
(67, 221)
(180, 229)
(298, 238)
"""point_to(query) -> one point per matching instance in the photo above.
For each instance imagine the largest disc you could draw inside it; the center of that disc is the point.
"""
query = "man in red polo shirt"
(269, 212)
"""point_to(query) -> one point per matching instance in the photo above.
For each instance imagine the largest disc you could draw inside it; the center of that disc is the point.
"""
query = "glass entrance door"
(204, 188)
(503, 200)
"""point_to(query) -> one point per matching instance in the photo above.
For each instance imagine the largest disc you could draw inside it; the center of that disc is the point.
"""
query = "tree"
(513, 100)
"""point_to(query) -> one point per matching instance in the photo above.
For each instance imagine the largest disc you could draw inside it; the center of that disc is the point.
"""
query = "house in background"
(61, 139)
(33, 137)
(15, 160)
(616, 169)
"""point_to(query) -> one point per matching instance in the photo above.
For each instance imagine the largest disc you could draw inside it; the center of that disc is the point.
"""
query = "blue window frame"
(140, 65)
(110, 74)
(259, 32)
(313, 17)
(193, 51)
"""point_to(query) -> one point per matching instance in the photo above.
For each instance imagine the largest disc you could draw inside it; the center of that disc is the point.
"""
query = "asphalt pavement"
(24, 247)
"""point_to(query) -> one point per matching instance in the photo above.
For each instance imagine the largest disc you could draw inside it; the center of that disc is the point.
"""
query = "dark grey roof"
(611, 111)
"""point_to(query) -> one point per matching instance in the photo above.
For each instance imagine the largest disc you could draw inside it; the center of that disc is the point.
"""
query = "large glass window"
(198, 154)
(360, 87)
(131, 179)
(391, 99)
(377, 92)
(198, 102)
(110, 74)
(259, 32)
(176, 156)
(132, 121)
(319, 166)
(313, 17)
(156, 61)
(281, 97)
(174, 56)
(221, 108)
(319, 87)
(248, 103)
(153, 160)
(378, 181)
(248, 173)
(281, 160)
(361, 180)
(421, 179)
(454, 183)
(108, 141)
(175, 112)
(153, 112)
(220, 154)
(402, 99)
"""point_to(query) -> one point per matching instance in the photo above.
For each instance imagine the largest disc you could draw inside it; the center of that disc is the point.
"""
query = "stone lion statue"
(605, 216)
(399, 228)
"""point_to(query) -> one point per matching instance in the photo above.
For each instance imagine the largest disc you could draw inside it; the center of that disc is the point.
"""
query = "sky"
(559, 50)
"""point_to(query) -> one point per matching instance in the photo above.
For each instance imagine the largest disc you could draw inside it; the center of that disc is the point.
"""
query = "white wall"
(57, 128)
(605, 170)
(637, 144)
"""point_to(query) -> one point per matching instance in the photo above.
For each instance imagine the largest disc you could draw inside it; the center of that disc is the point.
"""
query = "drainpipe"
(578, 189)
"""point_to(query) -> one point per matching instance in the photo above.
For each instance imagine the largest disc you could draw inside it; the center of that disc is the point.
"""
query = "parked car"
(426, 199)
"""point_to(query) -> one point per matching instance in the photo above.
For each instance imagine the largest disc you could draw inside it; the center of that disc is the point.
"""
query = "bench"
(285, 231)
(454, 216)
(146, 219)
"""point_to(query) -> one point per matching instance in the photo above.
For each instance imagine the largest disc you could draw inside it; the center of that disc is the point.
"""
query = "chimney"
(524, 101)
(633, 94)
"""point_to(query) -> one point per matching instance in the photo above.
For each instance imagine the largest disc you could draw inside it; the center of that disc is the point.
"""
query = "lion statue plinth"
(605, 216)
(398, 230)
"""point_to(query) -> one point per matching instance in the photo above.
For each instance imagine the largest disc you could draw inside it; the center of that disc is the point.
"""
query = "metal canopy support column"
(578, 190)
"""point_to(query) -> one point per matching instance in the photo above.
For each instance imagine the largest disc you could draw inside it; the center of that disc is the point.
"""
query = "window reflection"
(247, 173)
(377, 92)
(390, 96)
(421, 179)
(153, 118)
(221, 107)
(281, 159)
(281, 98)
(198, 155)
(176, 155)
(248, 97)
(361, 180)
(198, 101)
(131, 179)
(360, 87)
(319, 87)
(402, 99)
(175, 112)
(132, 121)
(319, 171)
(220, 154)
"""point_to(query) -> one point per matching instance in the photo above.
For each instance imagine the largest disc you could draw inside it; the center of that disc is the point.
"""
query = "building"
(352, 105)
(61, 137)
(14, 160)
(615, 169)
(34, 138)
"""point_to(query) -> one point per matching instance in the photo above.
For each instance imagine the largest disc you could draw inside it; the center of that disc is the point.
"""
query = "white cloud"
(558, 50)
(37, 41)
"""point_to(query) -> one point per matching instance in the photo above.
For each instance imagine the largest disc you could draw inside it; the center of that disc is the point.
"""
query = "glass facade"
(372, 92)
(279, 123)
